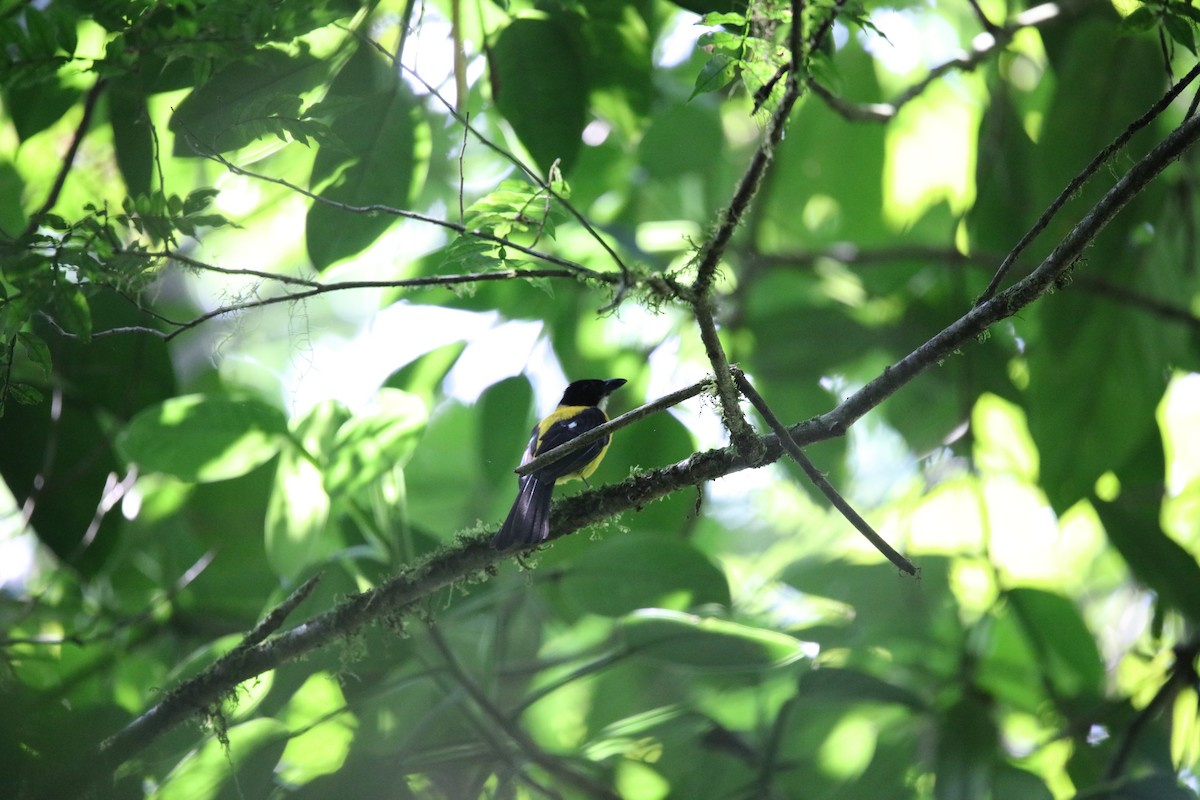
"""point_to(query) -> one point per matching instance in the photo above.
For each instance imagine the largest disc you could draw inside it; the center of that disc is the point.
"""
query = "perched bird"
(580, 410)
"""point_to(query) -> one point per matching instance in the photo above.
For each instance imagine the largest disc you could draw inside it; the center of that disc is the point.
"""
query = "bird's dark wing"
(564, 430)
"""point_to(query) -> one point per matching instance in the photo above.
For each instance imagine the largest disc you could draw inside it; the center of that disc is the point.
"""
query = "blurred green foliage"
(314, 268)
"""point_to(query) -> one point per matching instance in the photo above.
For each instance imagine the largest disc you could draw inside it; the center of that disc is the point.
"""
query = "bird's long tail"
(529, 520)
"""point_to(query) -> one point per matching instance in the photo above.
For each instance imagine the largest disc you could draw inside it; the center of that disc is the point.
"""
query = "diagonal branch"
(740, 431)
(552, 764)
(819, 480)
(1084, 176)
(1010, 301)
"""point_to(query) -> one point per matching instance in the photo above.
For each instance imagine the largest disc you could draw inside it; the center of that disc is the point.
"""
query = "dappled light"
(869, 330)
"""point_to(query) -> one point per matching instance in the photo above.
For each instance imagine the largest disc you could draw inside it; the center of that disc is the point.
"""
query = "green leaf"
(681, 141)
(619, 63)
(1180, 29)
(22, 393)
(1184, 8)
(41, 31)
(1142, 19)
(1009, 781)
(621, 574)
(1155, 559)
(849, 685)
(36, 352)
(254, 746)
(717, 18)
(73, 312)
(318, 710)
(375, 441)
(503, 409)
(706, 642)
(203, 438)
(12, 188)
(1087, 421)
(717, 73)
(133, 142)
(1067, 651)
(66, 487)
(966, 751)
(297, 515)
(34, 108)
(228, 111)
(540, 85)
(385, 137)
(1007, 665)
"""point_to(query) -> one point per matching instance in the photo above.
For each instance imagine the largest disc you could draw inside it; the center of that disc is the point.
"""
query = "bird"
(580, 410)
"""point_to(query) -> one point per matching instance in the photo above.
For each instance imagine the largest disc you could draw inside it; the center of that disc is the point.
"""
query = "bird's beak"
(612, 385)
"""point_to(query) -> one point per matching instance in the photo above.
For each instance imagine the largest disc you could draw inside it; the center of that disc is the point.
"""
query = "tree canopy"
(907, 500)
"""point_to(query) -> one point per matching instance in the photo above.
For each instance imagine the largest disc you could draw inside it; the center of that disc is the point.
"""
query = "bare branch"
(432, 280)
(1079, 180)
(552, 764)
(709, 258)
(817, 478)
(982, 47)
(1021, 294)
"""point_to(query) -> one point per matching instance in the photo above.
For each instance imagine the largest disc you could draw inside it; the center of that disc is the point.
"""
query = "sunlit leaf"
(204, 437)
(375, 441)
(202, 774)
(380, 162)
(228, 111)
(706, 642)
(541, 87)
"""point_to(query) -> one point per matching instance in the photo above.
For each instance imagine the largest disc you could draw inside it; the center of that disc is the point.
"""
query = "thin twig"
(1126, 296)
(1077, 182)
(431, 280)
(85, 122)
(740, 431)
(276, 616)
(195, 263)
(180, 583)
(552, 764)
(378, 208)
(462, 154)
(817, 478)
(983, 46)
(528, 171)
(987, 24)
